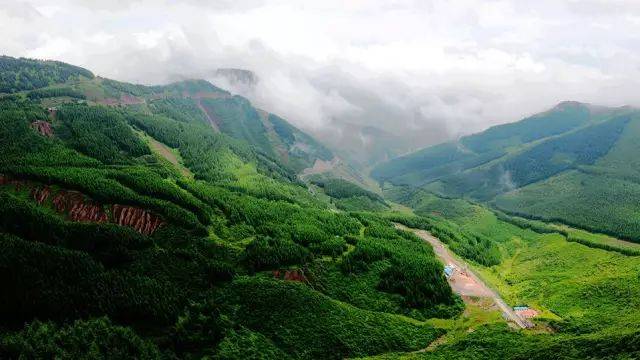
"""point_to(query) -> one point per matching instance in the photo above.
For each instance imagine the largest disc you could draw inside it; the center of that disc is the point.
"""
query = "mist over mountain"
(287, 180)
(425, 80)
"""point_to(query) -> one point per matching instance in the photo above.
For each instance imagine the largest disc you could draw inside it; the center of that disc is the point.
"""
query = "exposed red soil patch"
(108, 101)
(291, 275)
(213, 120)
(126, 99)
(78, 207)
(140, 219)
(7, 180)
(43, 127)
(527, 313)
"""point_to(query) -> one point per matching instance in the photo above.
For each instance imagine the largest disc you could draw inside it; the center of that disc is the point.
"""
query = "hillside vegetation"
(108, 249)
(573, 164)
(172, 222)
(584, 285)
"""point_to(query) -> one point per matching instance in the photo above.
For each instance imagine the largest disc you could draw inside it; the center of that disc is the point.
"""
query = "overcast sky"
(434, 68)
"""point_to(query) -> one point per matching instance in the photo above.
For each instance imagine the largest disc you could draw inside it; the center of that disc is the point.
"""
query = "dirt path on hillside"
(464, 282)
(209, 117)
(164, 151)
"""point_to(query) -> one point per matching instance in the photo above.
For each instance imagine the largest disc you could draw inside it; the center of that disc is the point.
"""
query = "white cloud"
(427, 70)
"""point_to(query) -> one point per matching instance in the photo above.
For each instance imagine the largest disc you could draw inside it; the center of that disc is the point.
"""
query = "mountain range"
(575, 164)
(180, 221)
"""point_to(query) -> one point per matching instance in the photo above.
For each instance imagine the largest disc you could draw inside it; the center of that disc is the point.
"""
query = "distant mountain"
(362, 141)
(237, 76)
(361, 144)
(569, 164)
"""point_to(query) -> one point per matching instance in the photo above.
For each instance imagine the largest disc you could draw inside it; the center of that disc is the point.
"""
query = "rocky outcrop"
(43, 127)
(79, 207)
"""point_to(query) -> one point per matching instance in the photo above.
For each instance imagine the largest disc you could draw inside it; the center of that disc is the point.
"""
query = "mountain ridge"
(505, 163)
(131, 227)
(230, 114)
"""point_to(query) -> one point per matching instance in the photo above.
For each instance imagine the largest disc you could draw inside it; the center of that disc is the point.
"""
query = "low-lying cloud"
(421, 71)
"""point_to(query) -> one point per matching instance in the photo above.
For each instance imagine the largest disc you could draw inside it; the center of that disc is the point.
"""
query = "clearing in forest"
(464, 282)
(168, 154)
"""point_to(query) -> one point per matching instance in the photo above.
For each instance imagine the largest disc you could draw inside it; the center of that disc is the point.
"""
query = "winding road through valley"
(464, 282)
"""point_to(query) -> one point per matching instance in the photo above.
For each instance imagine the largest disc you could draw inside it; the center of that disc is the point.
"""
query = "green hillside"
(28, 74)
(191, 101)
(573, 164)
(169, 222)
(132, 228)
(583, 285)
(471, 151)
(346, 195)
(274, 136)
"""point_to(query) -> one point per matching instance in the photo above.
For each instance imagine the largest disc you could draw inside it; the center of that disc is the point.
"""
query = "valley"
(465, 282)
(131, 226)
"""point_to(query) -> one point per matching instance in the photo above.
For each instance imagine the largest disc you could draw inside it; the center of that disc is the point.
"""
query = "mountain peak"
(237, 76)
(570, 104)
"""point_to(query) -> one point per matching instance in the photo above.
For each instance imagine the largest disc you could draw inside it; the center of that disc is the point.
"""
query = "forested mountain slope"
(186, 101)
(130, 227)
(28, 74)
(133, 227)
(575, 163)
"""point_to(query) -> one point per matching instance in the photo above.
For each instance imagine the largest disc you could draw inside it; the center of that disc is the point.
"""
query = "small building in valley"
(449, 270)
(525, 311)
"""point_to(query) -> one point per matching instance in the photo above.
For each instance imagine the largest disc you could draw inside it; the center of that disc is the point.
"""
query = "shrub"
(244, 344)
(333, 247)
(60, 281)
(199, 329)
(267, 253)
(420, 281)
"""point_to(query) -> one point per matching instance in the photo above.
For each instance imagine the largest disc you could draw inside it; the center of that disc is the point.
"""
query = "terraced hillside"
(570, 164)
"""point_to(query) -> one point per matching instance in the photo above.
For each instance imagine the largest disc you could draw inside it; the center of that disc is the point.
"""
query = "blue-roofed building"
(448, 270)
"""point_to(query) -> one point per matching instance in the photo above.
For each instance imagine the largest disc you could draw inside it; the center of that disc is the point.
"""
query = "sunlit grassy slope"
(587, 296)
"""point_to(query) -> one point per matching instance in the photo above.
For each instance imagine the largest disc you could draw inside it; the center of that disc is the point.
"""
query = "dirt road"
(464, 282)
